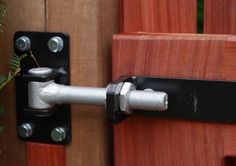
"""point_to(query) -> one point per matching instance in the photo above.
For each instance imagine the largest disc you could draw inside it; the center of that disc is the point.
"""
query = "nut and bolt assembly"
(55, 44)
(25, 130)
(51, 93)
(58, 134)
(23, 43)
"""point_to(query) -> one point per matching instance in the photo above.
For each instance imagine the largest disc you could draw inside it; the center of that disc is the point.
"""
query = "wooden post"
(90, 24)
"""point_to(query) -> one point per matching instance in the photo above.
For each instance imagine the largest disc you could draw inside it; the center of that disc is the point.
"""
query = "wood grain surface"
(220, 16)
(53, 155)
(23, 15)
(154, 141)
(90, 24)
(158, 16)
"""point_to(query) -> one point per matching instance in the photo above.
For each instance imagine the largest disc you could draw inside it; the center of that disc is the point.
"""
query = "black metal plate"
(45, 58)
(202, 100)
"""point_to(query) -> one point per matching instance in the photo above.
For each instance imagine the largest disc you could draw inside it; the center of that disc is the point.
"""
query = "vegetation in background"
(200, 15)
(2, 78)
(14, 62)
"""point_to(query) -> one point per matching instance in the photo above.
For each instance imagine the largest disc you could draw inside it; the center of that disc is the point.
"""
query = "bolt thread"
(59, 94)
(142, 100)
(147, 100)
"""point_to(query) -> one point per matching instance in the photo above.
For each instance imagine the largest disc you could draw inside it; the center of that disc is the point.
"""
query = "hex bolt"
(23, 43)
(58, 134)
(55, 44)
(25, 130)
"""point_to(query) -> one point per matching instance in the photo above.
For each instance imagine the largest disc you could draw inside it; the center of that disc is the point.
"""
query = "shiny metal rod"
(137, 99)
(43, 95)
(61, 94)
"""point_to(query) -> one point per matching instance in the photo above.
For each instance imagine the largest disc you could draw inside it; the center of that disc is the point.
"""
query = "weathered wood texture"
(90, 24)
(23, 15)
(53, 155)
(220, 16)
(154, 141)
(158, 16)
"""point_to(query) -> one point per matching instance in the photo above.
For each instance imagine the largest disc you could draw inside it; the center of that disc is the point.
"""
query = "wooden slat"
(90, 24)
(158, 16)
(46, 155)
(153, 141)
(23, 15)
(220, 16)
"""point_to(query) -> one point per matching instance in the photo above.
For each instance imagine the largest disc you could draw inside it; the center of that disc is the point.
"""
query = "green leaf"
(14, 63)
(2, 78)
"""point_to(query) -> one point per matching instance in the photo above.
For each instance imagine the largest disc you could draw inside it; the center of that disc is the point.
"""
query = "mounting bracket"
(51, 50)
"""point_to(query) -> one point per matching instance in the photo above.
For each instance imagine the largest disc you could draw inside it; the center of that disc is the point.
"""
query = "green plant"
(14, 65)
(14, 62)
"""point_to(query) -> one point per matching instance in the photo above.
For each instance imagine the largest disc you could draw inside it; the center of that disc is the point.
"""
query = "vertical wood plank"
(90, 24)
(46, 155)
(158, 16)
(23, 15)
(220, 16)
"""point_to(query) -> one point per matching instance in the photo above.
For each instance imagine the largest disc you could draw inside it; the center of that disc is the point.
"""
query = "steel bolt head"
(124, 97)
(25, 130)
(58, 134)
(23, 43)
(55, 44)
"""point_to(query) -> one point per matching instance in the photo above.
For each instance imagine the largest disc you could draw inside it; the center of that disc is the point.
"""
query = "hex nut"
(23, 43)
(55, 44)
(25, 130)
(58, 134)
(124, 97)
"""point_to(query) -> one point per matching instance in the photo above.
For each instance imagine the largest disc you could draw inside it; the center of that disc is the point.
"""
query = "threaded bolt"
(148, 100)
